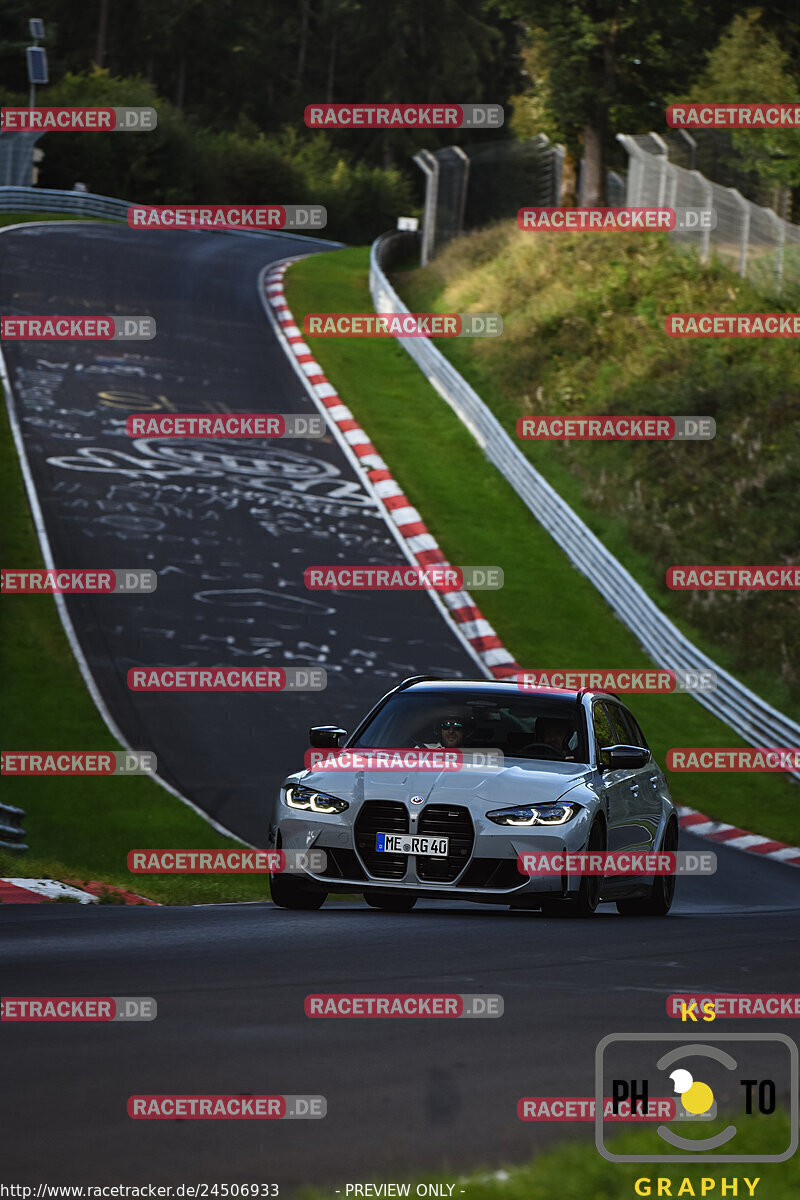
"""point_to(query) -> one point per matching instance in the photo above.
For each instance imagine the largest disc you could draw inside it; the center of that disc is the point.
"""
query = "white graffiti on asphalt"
(261, 467)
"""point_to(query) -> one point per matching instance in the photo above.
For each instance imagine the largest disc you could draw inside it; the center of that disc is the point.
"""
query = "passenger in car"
(556, 732)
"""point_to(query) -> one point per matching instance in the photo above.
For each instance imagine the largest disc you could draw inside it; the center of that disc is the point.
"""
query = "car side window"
(623, 733)
(633, 734)
(603, 731)
(639, 738)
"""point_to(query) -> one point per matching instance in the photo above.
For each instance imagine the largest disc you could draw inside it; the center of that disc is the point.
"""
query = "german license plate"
(411, 843)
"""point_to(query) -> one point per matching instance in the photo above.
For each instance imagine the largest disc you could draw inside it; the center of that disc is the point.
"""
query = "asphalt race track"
(229, 526)
(229, 532)
(230, 982)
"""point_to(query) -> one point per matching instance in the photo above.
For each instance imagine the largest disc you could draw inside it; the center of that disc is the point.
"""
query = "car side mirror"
(615, 758)
(326, 737)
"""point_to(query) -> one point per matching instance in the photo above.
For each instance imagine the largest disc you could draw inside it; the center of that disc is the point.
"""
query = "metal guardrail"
(745, 712)
(88, 204)
(79, 204)
(12, 835)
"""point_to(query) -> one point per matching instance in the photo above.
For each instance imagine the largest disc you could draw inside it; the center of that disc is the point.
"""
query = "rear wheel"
(289, 892)
(662, 891)
(584, 903)
(388, 903)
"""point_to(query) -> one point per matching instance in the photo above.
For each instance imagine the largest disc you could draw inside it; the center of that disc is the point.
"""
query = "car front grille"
(381, 816)
(455, 823)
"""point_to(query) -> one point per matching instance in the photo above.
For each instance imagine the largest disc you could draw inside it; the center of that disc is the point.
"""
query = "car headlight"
(311, 801)
(535, 814)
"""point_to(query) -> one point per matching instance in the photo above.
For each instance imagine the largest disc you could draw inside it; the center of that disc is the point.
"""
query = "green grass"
(584, 333)
(80, 827)
(12, 218)
(548, 614)
(576, 1171)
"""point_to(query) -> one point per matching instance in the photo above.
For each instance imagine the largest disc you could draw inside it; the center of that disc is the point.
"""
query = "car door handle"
(654, 780)
(634, 787)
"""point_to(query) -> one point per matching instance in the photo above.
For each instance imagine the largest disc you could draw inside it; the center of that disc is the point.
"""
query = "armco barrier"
(750, 716)
(12, 835)
(87, 204)
(78, 204)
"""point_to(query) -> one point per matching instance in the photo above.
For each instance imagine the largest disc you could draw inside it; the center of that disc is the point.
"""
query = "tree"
(749, 64)
(608, 65)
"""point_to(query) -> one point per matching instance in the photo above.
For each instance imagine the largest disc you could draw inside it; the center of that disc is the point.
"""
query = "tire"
(662, 891)
(388, 903)
(289, 892)
(587, 899)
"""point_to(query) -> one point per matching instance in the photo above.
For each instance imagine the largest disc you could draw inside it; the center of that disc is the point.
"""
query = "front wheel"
(587, 898)
(389, 903)
(662, 892)
(289, 892)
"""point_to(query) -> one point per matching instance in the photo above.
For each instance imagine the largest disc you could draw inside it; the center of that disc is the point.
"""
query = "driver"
(450, 733)
(556, 733)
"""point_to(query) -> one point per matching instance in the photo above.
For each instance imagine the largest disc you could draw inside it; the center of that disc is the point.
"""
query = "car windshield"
(520, 726)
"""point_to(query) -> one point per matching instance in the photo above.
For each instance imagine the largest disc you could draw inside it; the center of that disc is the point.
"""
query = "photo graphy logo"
(735, 1074)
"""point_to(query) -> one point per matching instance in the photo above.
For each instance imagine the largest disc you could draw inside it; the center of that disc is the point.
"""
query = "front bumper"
(481, 862)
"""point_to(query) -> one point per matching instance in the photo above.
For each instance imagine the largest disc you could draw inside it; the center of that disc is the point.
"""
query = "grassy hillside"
(584, 333)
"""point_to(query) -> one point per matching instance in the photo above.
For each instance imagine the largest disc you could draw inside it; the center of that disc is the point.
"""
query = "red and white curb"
(422, 548)
(418, 543)
(740, 839)
(39, 891)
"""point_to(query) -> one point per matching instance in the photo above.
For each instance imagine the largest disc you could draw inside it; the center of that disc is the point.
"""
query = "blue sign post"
(37, 59)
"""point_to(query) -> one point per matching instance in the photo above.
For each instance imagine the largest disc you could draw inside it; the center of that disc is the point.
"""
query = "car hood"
(519, 781)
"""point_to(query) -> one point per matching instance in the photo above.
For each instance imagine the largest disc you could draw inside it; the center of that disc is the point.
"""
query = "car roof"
(493, 687)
